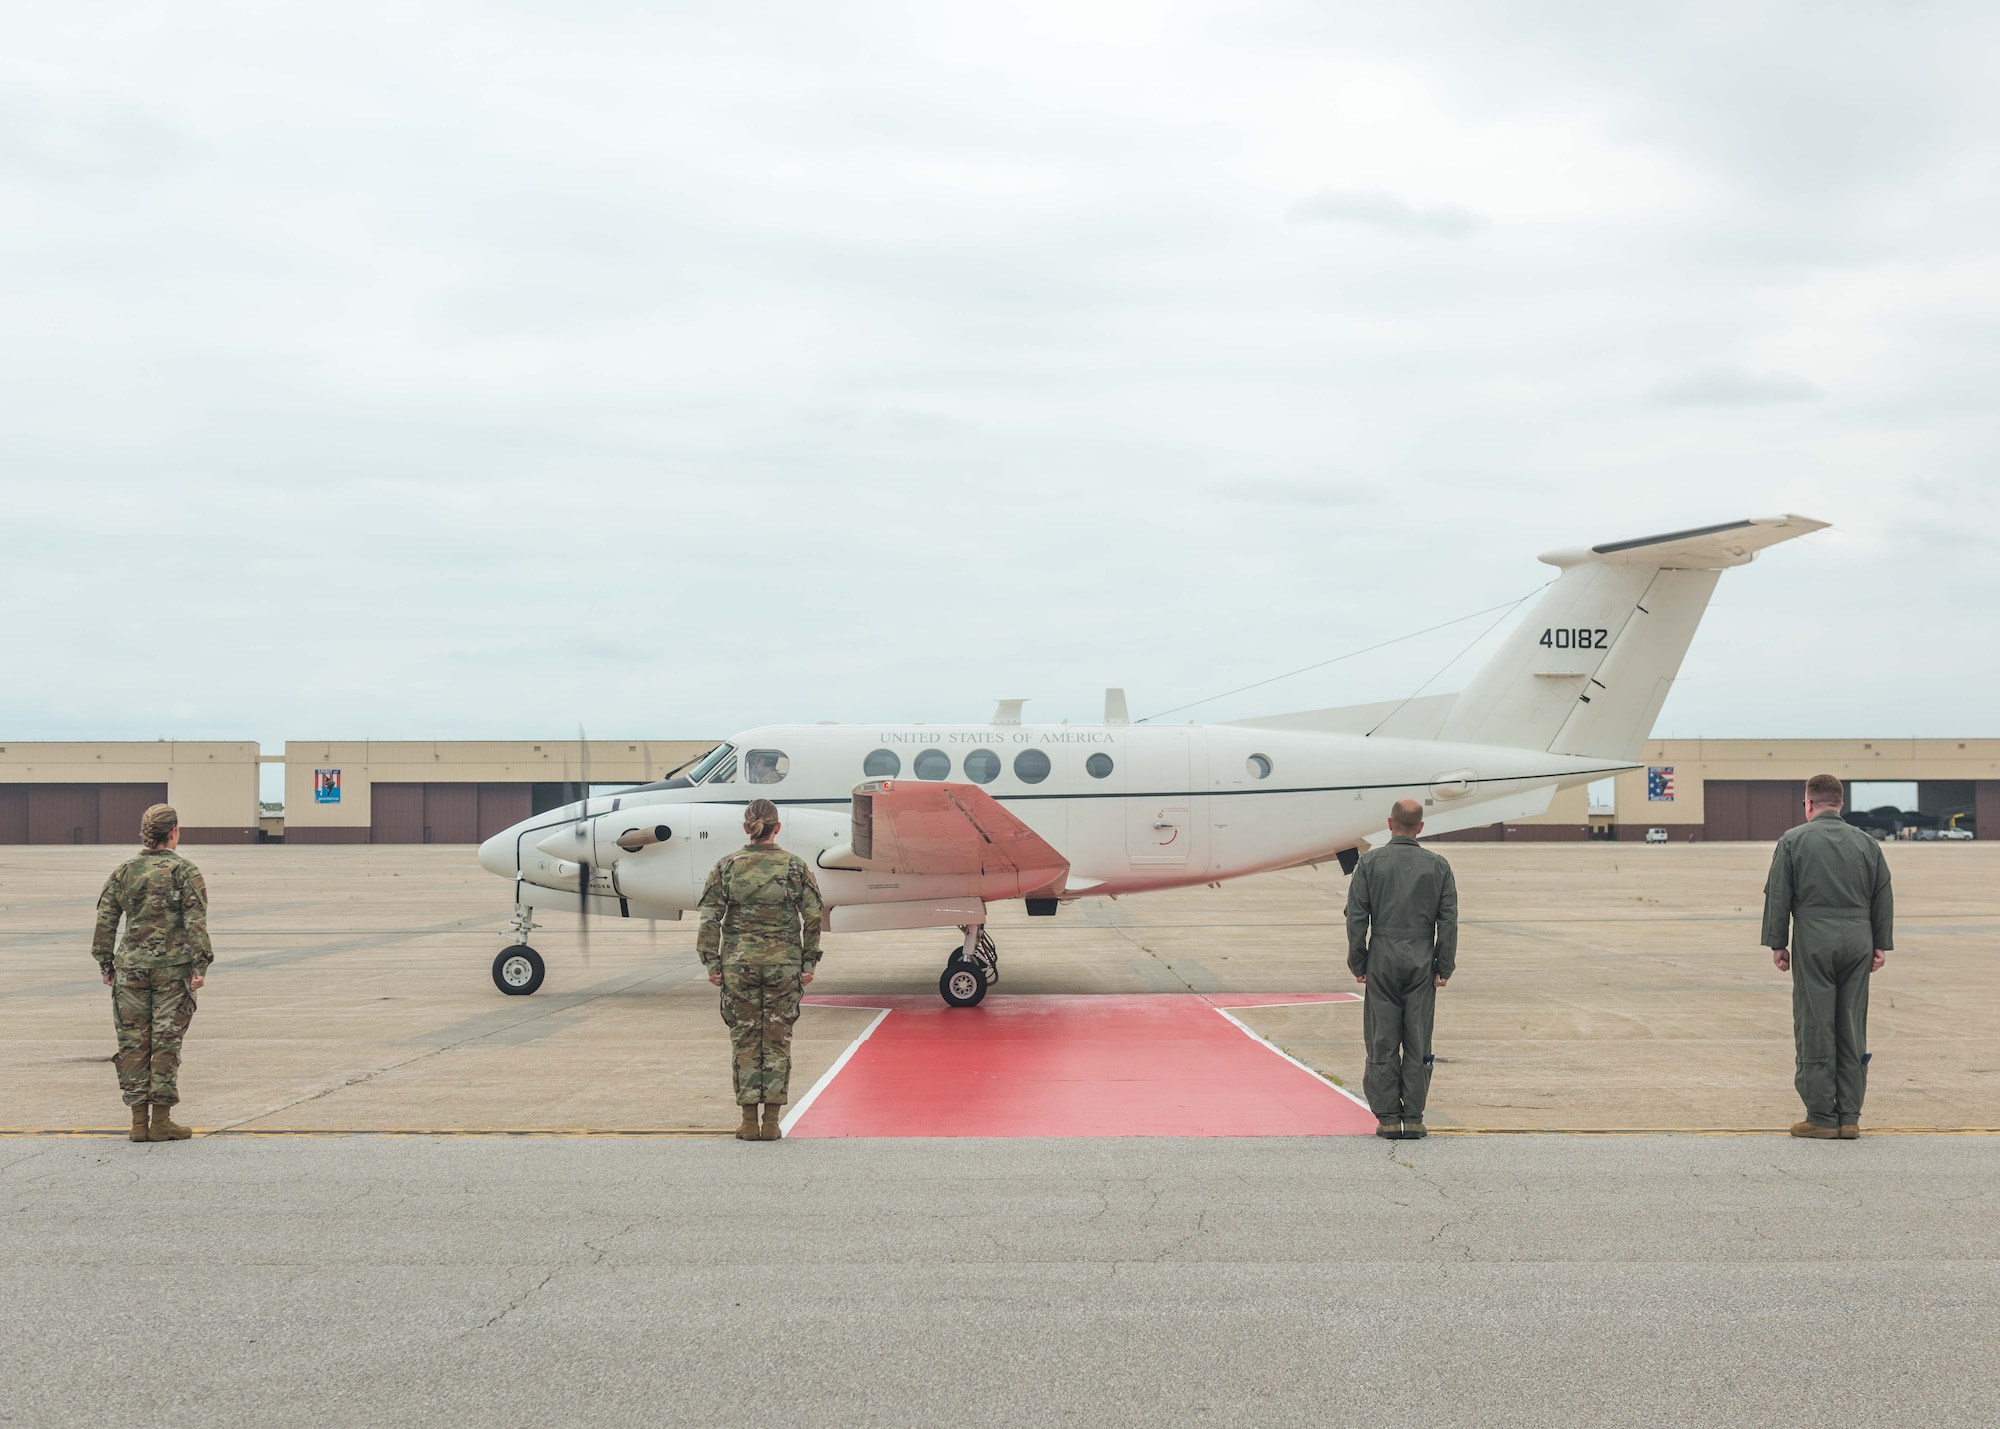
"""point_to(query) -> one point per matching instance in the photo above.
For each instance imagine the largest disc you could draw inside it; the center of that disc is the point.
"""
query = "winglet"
(1007, 712)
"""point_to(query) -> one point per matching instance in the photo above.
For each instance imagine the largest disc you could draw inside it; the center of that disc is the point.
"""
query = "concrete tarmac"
(1476, 1281)
(1599, 985)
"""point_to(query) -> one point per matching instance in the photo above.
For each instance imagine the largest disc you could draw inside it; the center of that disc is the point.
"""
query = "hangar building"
(1721, 790)
(461, 791)
(454, 791)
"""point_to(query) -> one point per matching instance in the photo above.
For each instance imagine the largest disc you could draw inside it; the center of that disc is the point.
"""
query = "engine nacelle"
(659, 855)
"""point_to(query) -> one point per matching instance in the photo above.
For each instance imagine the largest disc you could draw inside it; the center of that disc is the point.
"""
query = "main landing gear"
(519, 969)
(973, 967)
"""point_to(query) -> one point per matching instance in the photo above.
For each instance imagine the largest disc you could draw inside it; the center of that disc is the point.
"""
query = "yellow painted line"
(672, 1131)
(390, 1131)
(1699, 1131)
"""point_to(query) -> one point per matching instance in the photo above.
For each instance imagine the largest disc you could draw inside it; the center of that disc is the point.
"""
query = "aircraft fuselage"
(1130, 807)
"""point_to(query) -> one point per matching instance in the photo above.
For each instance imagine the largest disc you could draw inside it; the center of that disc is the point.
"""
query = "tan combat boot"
(748, 1131)
(773, 1111)
(164, 1127)
(1814, 1133)
(1849, 1131)
(139, 1114)
(1389, 1128)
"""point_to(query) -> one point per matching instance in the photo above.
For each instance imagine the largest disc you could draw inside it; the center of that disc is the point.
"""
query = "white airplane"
(923, 826)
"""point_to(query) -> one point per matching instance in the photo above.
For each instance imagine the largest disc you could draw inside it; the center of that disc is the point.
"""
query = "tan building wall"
(1696, 762)
(211, 784)
(362, 764)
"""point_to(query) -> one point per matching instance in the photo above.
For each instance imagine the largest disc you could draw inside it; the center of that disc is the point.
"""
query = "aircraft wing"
(918, 827)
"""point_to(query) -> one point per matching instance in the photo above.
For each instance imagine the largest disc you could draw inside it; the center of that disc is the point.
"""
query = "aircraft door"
(1157, 798)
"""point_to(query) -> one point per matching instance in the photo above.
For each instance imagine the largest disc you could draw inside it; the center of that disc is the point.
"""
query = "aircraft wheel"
(519, 970)
(990, 970)
(961, 985)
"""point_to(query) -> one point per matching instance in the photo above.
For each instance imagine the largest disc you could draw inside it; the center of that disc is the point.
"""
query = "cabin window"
(882, 764)
(1031, 766)
(1259, 766)
(1098, 766)
(982, 766)
(932, 764)
(766, 766)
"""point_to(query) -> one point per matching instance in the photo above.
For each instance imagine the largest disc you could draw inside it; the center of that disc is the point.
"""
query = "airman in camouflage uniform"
(155, 969)
(1402, 944)
(759, 940)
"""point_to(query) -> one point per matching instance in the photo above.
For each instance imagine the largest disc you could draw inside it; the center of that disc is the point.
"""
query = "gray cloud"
(1384, 210)
(483, 370)
(1732, 387)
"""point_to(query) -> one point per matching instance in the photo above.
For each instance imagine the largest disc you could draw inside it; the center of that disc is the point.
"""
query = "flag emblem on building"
(1660, 784)
(326, 786)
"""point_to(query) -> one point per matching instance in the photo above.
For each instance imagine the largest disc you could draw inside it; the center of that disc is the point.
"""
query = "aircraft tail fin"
(1588, 669)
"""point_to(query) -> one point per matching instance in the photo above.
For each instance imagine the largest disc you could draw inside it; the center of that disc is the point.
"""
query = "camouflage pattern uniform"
(760, 913)
(1402, 934)
(164, 904)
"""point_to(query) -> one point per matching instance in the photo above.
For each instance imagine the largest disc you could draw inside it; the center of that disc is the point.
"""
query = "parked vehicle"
(1656, 836)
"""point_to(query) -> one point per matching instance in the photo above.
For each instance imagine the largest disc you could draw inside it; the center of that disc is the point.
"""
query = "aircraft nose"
(497, 854)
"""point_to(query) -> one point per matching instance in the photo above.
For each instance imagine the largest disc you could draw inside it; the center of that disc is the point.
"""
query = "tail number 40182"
(1579, 639)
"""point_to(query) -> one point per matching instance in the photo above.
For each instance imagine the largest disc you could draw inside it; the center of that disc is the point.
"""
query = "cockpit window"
(766, 766)
(725, 772)
(708, 761)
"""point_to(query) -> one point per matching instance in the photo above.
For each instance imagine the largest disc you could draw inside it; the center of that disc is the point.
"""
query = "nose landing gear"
(519, 969)
(972, 968)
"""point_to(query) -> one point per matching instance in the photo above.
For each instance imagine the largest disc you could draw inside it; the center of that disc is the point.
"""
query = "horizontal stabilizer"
(1701, 548)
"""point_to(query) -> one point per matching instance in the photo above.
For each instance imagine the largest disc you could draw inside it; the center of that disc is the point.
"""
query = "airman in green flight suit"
(1402, 945)
(1829, 920)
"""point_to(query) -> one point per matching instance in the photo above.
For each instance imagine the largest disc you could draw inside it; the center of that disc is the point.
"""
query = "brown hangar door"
(75, 813)
(1751, 810)
(441, 813)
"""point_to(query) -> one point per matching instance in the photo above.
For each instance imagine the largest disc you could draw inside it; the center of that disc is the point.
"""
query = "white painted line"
(1250, 1032)
(786, 1122)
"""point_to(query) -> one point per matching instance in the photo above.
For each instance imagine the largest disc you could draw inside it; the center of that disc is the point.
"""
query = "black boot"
(1413, 1127)
(1389, 1128)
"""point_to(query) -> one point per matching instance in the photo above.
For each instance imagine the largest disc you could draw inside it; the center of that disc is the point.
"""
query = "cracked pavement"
(1456, 1281)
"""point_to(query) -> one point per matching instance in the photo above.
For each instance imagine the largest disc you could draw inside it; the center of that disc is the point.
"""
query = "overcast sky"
(441, 370)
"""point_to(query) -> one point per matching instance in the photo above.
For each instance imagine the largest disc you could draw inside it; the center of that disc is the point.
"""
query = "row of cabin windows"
(982, 766)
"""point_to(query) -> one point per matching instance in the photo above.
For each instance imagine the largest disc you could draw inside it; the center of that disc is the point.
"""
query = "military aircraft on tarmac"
(925, 826)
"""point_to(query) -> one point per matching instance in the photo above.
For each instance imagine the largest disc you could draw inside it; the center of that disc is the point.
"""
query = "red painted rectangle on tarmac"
(1158, 1064)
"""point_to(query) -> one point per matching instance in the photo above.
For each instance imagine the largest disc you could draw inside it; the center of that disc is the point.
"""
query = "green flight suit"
(760, 915)
(1402, 932)
(1828, 900)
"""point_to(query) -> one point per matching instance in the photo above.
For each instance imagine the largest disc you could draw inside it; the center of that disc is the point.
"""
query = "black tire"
(518, 971)
(961, 985)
